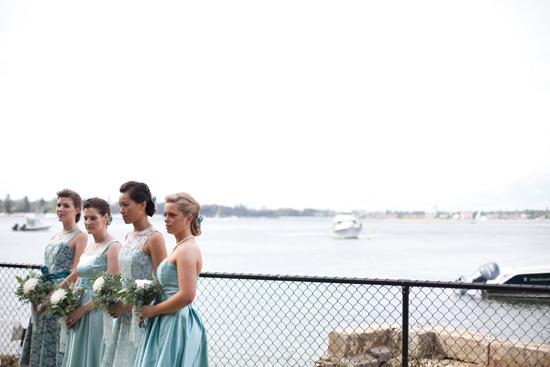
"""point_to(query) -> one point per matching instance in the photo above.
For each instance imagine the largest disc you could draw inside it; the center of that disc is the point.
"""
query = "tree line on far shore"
(24, 205)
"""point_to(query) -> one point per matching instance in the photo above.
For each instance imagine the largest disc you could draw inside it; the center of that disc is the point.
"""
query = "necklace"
(70, 230)
(182, 241)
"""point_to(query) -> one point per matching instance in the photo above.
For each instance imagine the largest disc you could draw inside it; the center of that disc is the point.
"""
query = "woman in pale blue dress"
(139, 257)
(85, 340)
(41, 345)
(175, 335)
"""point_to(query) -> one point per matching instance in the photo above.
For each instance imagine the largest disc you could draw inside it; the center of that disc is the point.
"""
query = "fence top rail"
(358, 281)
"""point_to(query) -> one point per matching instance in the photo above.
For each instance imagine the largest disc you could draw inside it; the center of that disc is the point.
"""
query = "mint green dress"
(85, 340)
(122, 346)
(177, 339)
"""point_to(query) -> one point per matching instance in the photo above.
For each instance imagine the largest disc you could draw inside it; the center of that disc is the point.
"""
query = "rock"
(425, 344)
(358, 341)
(382, 354)
(517, 354)
(463, 345)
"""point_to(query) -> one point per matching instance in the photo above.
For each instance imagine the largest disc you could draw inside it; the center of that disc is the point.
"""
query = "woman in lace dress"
(139, 257)
(85, 340)
(61, 257)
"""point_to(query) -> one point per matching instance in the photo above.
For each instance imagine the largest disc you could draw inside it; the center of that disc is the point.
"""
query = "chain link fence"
(257, 320)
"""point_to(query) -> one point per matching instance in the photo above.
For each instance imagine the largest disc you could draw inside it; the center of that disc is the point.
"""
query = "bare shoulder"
(81, 237)
(189, 252)
(79, 241)
(156, 238)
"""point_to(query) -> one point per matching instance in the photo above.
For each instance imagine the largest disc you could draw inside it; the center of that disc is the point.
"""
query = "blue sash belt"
(47, 276)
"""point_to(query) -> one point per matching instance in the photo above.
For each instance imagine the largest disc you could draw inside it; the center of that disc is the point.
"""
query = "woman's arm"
(155, 248)
(78, 244)
(113, 266)
(186, 263)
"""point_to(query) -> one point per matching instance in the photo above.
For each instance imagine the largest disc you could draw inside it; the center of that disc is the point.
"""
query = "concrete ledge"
(380, 345)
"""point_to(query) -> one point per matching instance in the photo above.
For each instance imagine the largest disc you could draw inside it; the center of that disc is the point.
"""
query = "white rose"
(30, 285)
(58, 296)
(142, 283)
(98, 285)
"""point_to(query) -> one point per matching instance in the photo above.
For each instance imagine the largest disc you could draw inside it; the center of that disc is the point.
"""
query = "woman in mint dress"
(41, 345)
(175, 335)
(85, 340)
(140, 255)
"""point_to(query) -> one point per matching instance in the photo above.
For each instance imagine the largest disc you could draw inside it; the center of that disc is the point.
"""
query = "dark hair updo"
(101, 205)
(75, 198)
(139, 192)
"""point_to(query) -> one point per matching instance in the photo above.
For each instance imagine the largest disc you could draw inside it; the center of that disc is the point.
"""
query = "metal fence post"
(405, 327)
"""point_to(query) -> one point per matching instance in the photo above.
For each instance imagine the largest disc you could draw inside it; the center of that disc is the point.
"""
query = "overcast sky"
(325, 104)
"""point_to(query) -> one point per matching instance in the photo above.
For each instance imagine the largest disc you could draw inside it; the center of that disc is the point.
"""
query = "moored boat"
(346, 226)
(31, 224)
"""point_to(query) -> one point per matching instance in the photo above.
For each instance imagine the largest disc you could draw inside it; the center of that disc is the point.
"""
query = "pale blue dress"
(41, 344)
(85, 342)
(121, 350)
(176, 339)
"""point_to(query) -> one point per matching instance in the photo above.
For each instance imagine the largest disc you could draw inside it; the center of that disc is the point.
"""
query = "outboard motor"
(485, 272)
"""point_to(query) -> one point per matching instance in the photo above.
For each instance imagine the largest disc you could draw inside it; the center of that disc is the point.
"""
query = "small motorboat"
(346, 226)
(31, 224)
(491, 273)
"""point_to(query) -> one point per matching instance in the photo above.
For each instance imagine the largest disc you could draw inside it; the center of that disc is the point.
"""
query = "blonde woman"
(175, 335)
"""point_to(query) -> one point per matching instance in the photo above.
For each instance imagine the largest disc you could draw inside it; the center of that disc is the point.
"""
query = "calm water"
(253, 323)
(432, 250)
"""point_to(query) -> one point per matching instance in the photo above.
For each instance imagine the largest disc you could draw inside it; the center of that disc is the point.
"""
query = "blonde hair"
(188, 206)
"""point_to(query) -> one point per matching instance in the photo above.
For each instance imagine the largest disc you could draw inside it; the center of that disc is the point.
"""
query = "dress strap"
(72, 235)
(104, 250)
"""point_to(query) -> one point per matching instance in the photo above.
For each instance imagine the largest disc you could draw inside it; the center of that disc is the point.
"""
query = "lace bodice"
(134, 263)
(58, 256)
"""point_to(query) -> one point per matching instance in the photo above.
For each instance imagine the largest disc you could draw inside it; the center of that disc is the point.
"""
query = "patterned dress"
(177, 339)
(85, 342)
(41, 344)
(135, 264)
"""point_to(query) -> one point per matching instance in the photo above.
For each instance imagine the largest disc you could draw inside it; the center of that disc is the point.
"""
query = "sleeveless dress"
(85, 342)
(177, 339)
(41, 344)
(121, 350)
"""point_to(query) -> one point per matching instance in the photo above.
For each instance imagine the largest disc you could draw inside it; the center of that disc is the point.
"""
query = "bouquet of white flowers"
(33, 288)
(139, 292)
(105, 296)
(105, 291)
(62, 302)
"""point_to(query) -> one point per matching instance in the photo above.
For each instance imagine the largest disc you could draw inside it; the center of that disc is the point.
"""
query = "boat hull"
(352, 232)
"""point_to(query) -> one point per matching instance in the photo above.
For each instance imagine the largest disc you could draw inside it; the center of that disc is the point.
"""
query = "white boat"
(346, 226)
(31, 224)
(522, 275)
(491, 273)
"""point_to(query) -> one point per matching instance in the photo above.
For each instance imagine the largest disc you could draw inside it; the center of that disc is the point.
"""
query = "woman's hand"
(74, 316)
(119, 310)
(147, 312)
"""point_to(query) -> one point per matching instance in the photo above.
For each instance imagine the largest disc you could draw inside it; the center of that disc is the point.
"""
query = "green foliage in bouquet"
(139, 292)
(105, 291)
(32, 288)
(63, 301)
